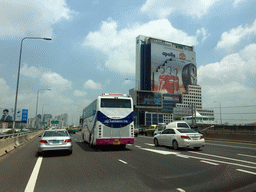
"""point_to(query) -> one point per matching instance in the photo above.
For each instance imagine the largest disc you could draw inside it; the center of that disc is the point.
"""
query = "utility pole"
(192, 110)
(195, 113)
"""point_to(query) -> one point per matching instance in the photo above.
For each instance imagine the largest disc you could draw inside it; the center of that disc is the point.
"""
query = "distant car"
(159, 130)
(138, 131)
(55, 139)
(179, 138)
(177, 124)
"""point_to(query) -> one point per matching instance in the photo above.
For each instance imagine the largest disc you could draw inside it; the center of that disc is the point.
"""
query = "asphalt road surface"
(219, 166)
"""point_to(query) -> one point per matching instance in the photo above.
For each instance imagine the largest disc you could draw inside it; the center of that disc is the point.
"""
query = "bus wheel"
(123, 146)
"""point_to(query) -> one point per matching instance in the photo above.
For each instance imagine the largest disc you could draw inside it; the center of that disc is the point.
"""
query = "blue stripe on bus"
(115, 123)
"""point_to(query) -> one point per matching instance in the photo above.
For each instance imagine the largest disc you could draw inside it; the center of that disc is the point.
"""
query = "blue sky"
(93, 50)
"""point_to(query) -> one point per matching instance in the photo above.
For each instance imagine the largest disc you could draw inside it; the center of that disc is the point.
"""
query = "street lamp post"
(43, 113)
(17, 88)
(137, 87)
(37, 101)
(220, 111)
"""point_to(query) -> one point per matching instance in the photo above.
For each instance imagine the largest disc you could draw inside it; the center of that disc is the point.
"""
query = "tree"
(178, 118)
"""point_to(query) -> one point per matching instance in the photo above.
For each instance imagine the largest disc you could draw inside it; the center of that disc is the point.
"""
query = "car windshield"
(186, 131)
(55, 133)
(182, 125)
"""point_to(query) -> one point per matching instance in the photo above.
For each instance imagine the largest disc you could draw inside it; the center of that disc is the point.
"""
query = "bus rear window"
(115, 103)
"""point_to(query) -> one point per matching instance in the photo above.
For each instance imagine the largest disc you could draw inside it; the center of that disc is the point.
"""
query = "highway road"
(219, 166)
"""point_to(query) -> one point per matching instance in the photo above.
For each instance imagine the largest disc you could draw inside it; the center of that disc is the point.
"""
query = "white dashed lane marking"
(33, 178)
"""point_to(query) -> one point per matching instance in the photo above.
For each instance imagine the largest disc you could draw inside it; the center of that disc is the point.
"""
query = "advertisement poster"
(172, 70)
(8, 115)
(149, 99)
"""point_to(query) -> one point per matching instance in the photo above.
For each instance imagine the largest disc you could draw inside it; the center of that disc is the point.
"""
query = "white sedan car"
(180, 138)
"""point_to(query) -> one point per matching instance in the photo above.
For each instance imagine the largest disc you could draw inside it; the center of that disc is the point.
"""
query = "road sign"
(42, 122)
(54, 122)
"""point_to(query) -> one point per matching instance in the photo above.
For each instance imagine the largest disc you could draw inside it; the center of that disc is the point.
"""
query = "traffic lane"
(162, 172)
(108, 159)
(226, 154)
(17, 166)
(114, 175)
(225, 150)
(237, 150)
(87, 169)
(246, 179)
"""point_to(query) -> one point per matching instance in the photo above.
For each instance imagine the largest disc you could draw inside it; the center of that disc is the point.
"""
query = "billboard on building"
(8, 115)
(149, 99)
(172, 69)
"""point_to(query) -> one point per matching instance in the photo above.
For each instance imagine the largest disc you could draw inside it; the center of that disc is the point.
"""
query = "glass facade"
(153, 118)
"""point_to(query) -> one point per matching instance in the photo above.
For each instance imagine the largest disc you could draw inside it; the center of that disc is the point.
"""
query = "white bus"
(108, 120)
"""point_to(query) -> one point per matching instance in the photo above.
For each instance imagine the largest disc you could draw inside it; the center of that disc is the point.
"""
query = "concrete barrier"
(7, 145)
(246, 137)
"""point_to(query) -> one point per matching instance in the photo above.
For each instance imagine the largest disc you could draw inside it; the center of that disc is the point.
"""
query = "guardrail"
(13, 141)
(14, 135)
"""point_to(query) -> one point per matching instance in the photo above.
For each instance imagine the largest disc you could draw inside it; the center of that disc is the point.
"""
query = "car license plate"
(55, 141)
(116, 142)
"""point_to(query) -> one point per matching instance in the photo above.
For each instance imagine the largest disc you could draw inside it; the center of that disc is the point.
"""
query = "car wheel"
(156, 142)
(70, 152)
(175, 145)
(196, 148)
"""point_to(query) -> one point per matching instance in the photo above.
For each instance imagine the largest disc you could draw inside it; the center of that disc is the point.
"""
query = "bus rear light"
(131, 125)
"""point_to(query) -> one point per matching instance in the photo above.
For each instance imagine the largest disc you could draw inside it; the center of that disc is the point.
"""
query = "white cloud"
(236, 35)
(30, 71)
(120, 45)
(55, 80)
(4, 88)
(79, 93)
(126, 82)
(26, 17)
(58, 103)
(202, 33)
(230, 74)
(231, 82)
(236, 2)
(162, 9)
(90, 84)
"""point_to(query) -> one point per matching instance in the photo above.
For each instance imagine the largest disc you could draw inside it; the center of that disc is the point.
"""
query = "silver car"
(55, 139)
